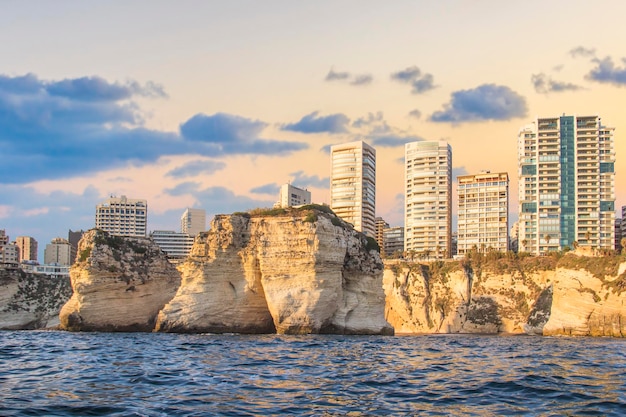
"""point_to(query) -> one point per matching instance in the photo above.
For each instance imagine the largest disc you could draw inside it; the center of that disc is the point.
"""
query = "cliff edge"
(290, 271)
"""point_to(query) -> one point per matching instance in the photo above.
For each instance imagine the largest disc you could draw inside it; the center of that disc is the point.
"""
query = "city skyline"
(214, 106)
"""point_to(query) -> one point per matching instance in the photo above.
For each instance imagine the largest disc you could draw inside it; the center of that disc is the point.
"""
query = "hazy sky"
(216, 104)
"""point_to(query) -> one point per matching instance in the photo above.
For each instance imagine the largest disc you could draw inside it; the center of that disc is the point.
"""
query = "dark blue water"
(86, 374)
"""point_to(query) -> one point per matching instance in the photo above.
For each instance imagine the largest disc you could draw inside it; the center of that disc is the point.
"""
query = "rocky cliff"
(30, 301)
(573, 295)
(285, 271)
(119, 284)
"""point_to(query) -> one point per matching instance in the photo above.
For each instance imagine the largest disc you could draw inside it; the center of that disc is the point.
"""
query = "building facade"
(428, 198)
(176, 246)
(483, 212)
(122, 216)
(27, 247)
(9, 255)
(291, 196)
(566, 171)
(380, 225)
(393, 238)
(353, 185)
(58, 252)
(193, 221)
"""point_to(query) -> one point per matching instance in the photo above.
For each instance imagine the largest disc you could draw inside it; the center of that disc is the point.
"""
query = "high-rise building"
(27, 247)
(381, 225)
(122, 216)
(193, 221)
(393, 238)
(4, 238)
(428, 198)
(291, 196)
(483, 213)
(353, 185)
(566, 184)
(618, 235)
(175, 245)
(59, 252)
(74, 238)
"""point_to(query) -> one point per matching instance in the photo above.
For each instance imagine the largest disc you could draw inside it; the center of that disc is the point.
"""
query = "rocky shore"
(304, 271)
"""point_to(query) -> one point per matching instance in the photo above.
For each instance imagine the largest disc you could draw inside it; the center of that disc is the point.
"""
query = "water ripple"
(94, 374)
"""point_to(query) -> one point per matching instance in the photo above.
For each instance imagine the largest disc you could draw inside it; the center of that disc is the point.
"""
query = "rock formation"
(31, 301)
(576, 295)
(301, 271)
(119, 284)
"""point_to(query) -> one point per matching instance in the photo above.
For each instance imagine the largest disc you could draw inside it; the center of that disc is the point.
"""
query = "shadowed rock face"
(292, 274)
(452, 297)
(31, 301)
(119, 284)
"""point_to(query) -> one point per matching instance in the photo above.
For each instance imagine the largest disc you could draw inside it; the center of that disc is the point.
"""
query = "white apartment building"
(176, 246)
(566, 184)
(353, 185)
(291, 196)
(428, 198)
(123, 216)
(59, 252)
(483, 212)
(193, 221)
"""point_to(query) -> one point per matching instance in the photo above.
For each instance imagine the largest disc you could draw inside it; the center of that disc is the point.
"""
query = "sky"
(215, 104)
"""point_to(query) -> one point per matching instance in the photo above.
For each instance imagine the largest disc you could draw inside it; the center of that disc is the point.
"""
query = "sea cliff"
(30, 301)
(303, 271)
(573, 294)
(286, 271)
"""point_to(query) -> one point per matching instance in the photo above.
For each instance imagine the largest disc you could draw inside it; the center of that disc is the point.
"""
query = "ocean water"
(49, 373)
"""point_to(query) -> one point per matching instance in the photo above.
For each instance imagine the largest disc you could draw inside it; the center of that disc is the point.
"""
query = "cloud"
(218, 200)
(356, 79)
(52, 130)
(485, 102)
(187, 187)
(581, 51)
(370, 119)
(413, 76)
(606, 72)
(335, 76)
(362, 79)
(194, 168)
(544, 84)
(46, 215)
(393, 141)
(301, 180)
(415, 113)
(407, 75)
(98, 89)
(312, 123)
(272, 189)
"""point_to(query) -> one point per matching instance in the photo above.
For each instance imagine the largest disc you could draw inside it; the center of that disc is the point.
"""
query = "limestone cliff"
(301, 271)
(512, 294)
(119, 284)
(30, 301)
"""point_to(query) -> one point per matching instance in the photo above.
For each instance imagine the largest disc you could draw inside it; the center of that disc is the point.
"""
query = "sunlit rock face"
(31, 301)
(530, 295)
(298, 272)
(119, 284)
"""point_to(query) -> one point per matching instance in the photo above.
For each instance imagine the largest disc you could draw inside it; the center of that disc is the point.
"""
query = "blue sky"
(216, 104)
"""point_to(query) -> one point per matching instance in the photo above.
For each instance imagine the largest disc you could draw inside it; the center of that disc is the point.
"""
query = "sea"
(52, 373)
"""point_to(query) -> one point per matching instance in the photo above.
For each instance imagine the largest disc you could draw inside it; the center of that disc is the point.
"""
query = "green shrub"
(311, 217)
(372, 244)
(84, 254)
